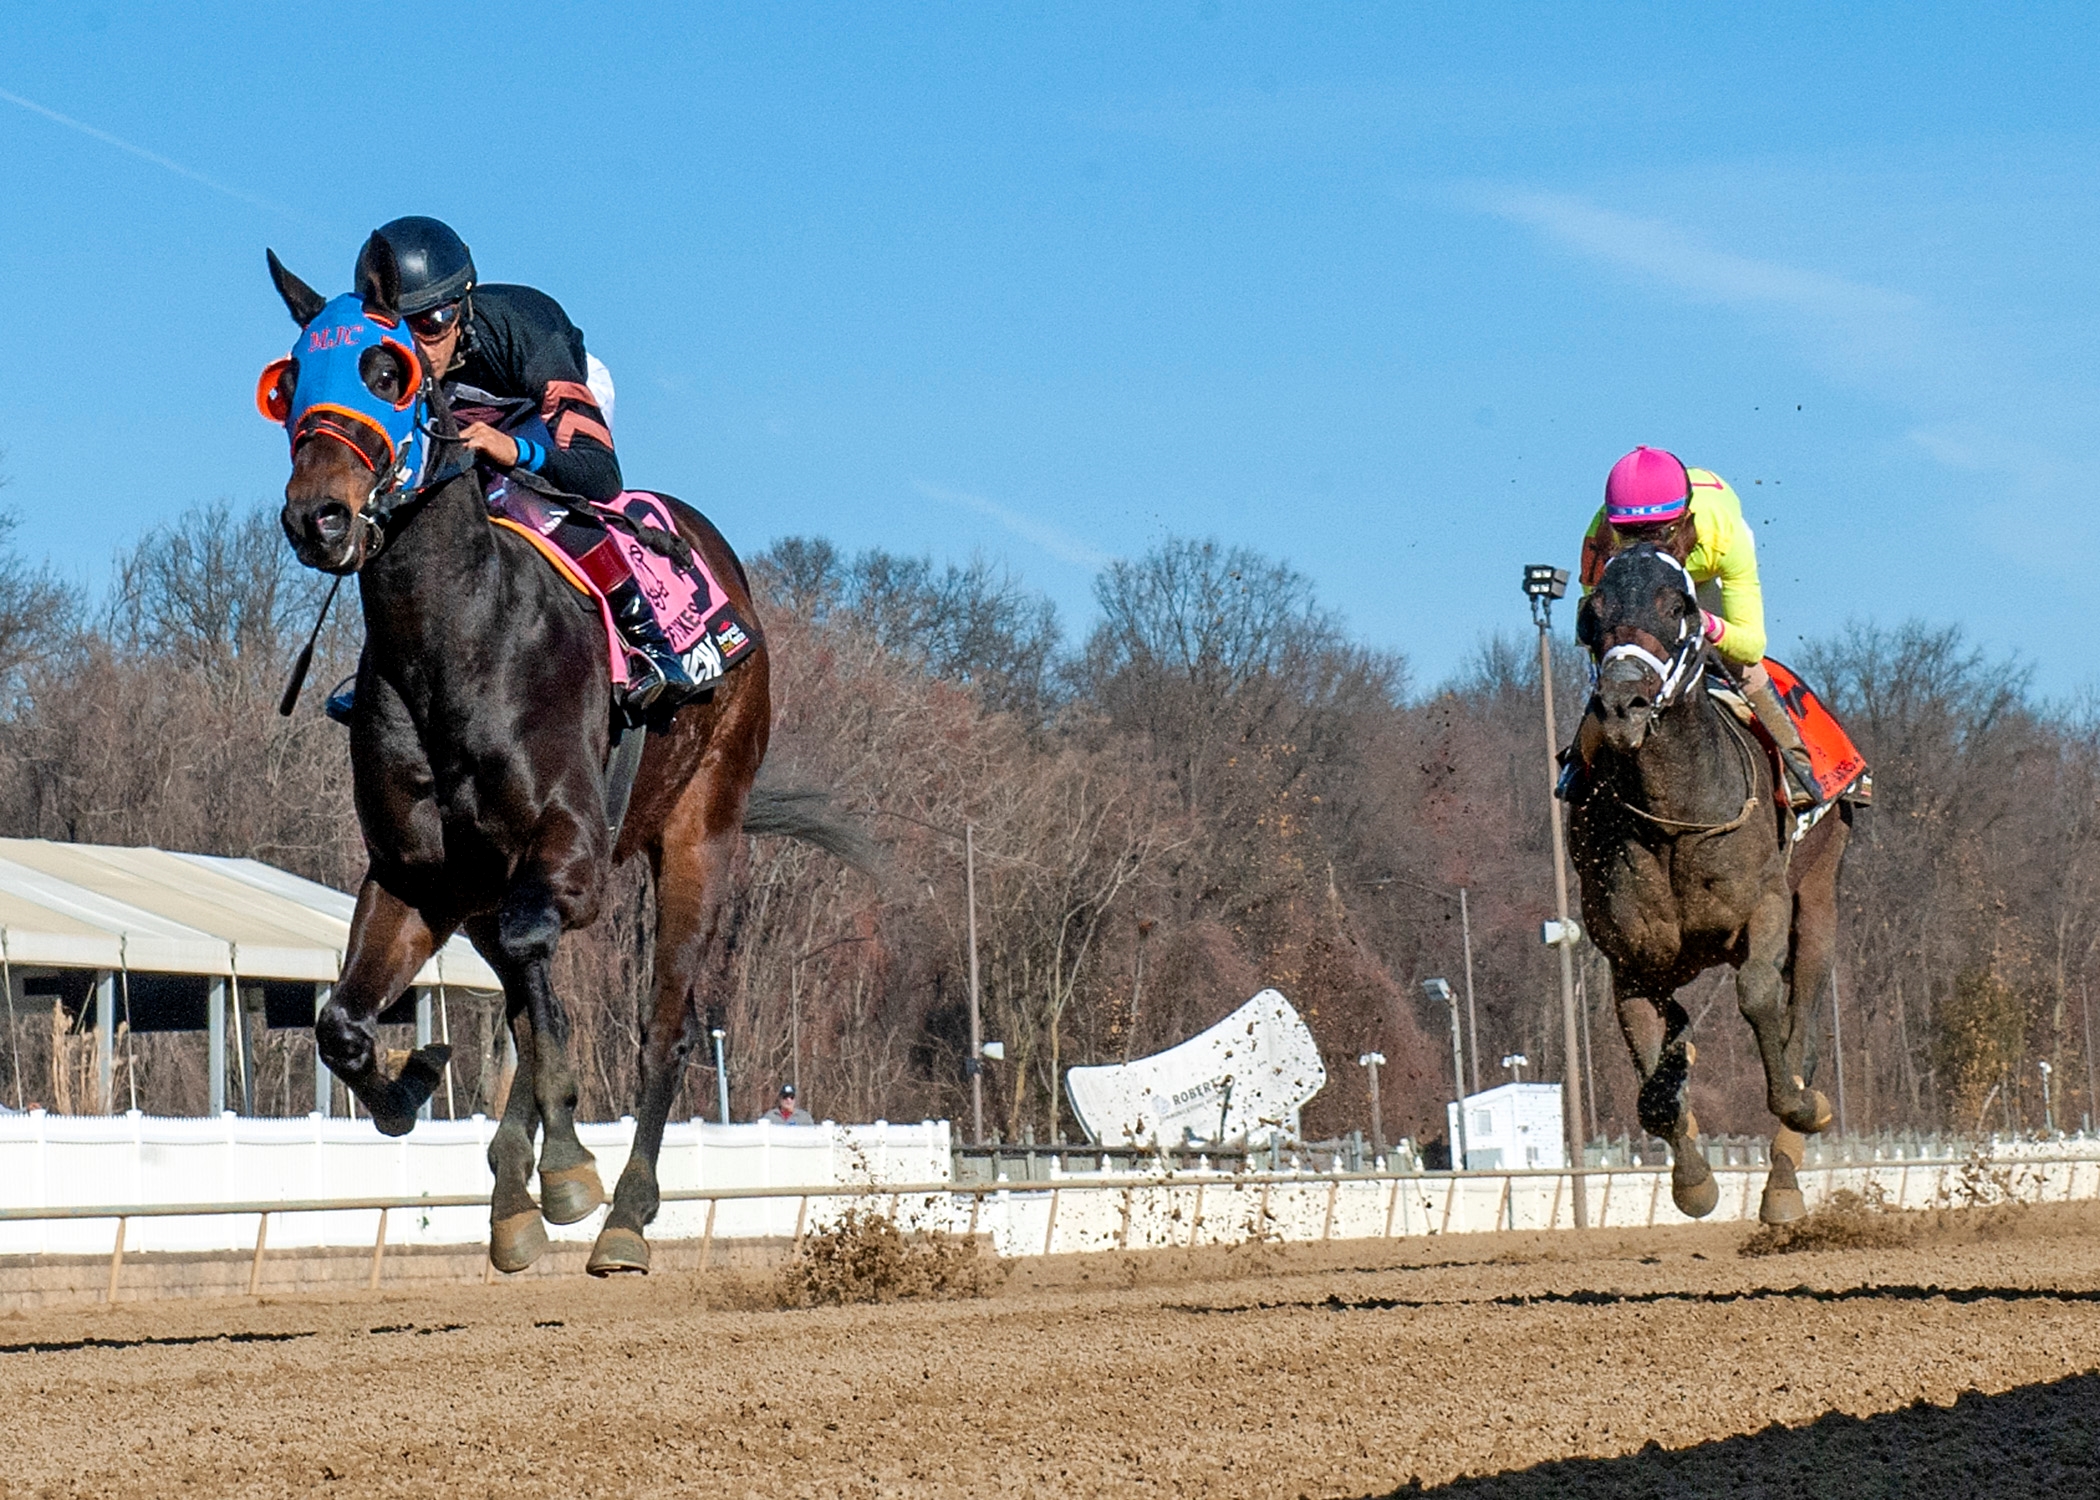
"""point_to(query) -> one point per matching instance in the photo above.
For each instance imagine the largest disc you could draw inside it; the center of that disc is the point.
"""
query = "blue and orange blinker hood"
(328, 392)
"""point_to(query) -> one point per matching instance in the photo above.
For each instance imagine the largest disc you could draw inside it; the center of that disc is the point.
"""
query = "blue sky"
(1382, 290)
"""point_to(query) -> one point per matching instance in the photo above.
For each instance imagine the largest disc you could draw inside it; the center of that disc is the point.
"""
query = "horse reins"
(1683, 668)
(380, 522)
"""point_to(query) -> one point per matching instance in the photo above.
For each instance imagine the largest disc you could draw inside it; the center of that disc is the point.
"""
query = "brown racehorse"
(478, 745)
(1686, 863)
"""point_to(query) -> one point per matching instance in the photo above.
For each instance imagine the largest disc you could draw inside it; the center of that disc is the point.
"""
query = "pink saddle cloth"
(690, 604)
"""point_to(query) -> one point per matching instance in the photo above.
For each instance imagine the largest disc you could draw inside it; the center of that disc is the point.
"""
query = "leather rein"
(1685, 666)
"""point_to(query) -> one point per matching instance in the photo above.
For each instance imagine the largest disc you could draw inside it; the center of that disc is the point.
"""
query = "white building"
(1517, 1125)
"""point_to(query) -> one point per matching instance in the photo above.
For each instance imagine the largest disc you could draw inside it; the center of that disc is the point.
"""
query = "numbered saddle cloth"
(689, 602)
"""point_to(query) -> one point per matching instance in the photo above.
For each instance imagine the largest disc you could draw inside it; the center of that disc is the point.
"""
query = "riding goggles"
(330, 386)
(433, 323)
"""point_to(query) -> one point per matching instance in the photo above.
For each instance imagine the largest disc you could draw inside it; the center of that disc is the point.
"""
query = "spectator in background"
(789, 1110)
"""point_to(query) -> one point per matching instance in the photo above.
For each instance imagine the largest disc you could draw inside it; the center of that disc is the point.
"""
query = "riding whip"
(290, 700)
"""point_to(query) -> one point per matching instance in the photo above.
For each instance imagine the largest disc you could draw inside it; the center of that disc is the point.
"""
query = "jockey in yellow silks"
(1651, 496)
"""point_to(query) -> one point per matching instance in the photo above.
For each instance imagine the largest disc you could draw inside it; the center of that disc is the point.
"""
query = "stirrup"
(342, 701)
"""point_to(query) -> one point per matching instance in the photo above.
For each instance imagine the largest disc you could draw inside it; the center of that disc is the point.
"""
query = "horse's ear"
(378, 278)
(303, 301)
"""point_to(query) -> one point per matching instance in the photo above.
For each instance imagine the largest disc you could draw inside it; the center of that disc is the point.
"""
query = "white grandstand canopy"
(97, 906)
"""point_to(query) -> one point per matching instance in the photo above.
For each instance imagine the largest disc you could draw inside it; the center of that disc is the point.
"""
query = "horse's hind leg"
(1808, 971)
(527, 930)
(692, 879)
(1775, 1010)
(1655, 1034)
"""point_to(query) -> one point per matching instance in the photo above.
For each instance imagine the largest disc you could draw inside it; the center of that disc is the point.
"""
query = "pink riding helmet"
(1646, 487)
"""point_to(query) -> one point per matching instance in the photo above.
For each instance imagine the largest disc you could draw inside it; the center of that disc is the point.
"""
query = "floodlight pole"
(976, 1015)
(1542, 585)
(1438, 989)
(1371, 1062)
(1465, 928)
(721, 1072)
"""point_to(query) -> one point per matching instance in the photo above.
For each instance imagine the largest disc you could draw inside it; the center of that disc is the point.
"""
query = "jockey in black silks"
(519, 383)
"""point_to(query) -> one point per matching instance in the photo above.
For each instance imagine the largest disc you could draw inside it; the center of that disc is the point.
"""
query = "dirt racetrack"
(1657, 1363)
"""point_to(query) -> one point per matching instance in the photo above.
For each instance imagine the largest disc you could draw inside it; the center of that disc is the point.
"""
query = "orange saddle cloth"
(1841, 771)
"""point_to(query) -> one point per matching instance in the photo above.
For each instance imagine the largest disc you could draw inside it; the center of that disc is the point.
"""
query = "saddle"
(1840, 770)
(687, 600)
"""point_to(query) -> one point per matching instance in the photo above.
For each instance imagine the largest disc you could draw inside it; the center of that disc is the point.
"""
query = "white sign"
(1249, 1075)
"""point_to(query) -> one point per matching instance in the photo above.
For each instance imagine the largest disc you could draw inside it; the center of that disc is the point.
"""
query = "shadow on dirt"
(2038, 1442)
(1892, 1293)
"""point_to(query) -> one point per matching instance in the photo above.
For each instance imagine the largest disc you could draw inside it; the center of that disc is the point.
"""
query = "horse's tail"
(806, 813)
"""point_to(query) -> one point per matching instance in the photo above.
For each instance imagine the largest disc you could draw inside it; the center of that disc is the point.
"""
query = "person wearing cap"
(529, 399)
(788, 1111)
(1651, 495)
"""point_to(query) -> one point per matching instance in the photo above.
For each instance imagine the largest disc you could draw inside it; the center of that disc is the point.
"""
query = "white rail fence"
(338, 1184)
(437, 1177)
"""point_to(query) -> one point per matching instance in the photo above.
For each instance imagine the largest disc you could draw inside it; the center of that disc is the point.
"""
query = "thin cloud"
(1059, 544)
(144, 155)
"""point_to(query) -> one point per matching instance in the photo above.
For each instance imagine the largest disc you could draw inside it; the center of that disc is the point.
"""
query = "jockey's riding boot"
(1802, 791)
(638, 627)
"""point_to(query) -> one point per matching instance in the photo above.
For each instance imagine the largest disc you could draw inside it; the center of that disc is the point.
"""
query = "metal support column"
(106, 1041)
(215, 1048)
(424, 1017)
(324, 1081)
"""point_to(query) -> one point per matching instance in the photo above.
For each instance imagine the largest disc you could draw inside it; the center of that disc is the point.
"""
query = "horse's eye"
(384, 373)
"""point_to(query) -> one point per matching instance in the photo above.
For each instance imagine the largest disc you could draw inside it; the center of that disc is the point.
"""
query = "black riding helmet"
(434, 263)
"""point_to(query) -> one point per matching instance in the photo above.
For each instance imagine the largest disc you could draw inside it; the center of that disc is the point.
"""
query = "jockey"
(512, 349)
(1692, 514)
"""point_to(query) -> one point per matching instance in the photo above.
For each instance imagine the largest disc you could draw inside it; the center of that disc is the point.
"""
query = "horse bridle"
(1686, 660)
(392, 501)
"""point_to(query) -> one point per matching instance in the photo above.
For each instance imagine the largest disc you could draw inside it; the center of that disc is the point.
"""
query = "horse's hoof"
(570, 1193)
(1692, 1185)
(618, 1249)
(1695, 1200)
(393, 1124)
(516, 1241)
(1781, 1205)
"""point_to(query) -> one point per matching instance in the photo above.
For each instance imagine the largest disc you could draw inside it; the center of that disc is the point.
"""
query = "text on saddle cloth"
(689, 602)
(1831, 754)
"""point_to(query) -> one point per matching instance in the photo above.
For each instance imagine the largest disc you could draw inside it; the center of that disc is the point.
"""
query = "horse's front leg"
(389, 943)
(692, 880)
(527, 930)
(1654, 1025)
(517, 1237)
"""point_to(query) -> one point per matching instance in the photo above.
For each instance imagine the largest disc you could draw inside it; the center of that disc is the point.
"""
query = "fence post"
(801, 1217)
(1391, 1203)
(1050, 1228)
(976, 1203)
(1123, 1234)
(262, 1236)
(1655, 1198)
(1505, 1216)
(707, 1239)
(1196, 1217)
(378, 1252)
(116, 1259)
(1450, 1201)
(1553, 1215)
(1334, 1191)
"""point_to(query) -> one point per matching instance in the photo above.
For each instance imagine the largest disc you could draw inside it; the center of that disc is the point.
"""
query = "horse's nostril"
(332, 521)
